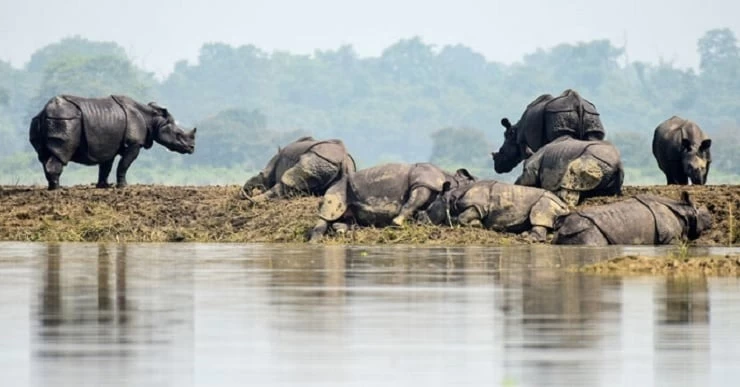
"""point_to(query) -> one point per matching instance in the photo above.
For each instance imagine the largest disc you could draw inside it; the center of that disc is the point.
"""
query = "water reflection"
(283, 315)
(88, 326)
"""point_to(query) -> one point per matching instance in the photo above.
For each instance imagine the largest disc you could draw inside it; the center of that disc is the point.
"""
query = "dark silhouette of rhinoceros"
(682, 151)
(498, 206)
(92, 131)
(545, 119)
(641, 220)
(575, 169)
(383, 195)
(305, 166)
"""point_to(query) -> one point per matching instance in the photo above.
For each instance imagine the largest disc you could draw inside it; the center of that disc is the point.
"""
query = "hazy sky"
(160, 32)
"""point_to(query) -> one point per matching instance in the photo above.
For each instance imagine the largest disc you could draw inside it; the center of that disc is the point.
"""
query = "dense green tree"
(72, 47)
(246, 101)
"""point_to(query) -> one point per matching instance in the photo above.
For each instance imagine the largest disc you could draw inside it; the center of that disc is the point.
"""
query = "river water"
(219, 314)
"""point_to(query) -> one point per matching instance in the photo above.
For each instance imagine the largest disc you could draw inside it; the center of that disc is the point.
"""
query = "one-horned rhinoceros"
(545, 119)
(498, 206)
(92, 131)
(384, 195)
(641, 220)
(682, 151)
(305, 166)
(575, 169)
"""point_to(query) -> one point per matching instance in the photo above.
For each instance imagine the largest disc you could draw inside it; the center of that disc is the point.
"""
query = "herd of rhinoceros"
(559, 139)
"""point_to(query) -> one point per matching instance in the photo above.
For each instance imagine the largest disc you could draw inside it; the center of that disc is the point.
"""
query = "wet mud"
(726, 265)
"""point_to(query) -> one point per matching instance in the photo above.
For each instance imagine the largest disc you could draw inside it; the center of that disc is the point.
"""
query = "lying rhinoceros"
(545, 119)
(305, 166)
(498, 206)
(641, 220)
(384, 195)
(575, 169)
(92, 131)
(682, 151)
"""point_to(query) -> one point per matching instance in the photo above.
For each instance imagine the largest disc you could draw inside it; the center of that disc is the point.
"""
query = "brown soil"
(215, 214)
(728, 265)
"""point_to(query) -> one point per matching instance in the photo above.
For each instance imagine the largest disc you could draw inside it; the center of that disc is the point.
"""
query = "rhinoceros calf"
(682, 151)
(545, 119)
(92, 131)
(499, 206)
(384, 195)
(305, 166)
(641, 220)
(575, 169)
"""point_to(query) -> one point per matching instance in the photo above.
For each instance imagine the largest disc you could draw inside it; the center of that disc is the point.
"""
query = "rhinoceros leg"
(538, 233)
(129, 155)
(676, 175)
(103, 173)
(318, 231)
(418, 197)
(53, 169)
(582, 174)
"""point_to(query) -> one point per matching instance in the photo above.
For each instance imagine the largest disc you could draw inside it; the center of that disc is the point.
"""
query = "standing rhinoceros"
(384, 195)
(545, 119)
(641, 220)
(682, 151)
(575, 169)
(498, 206)
(305, 166)
(92, 131)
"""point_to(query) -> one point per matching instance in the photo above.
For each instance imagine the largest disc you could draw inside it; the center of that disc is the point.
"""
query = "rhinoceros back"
(389, 182)
(104, 123)
(555, 159)
(639, 220)
(532, 125)
(572, 115)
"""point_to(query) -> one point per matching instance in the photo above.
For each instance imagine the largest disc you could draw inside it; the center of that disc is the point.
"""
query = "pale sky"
(157, 33)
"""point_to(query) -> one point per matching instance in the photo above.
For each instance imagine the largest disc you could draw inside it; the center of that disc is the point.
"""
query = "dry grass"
(215, 214)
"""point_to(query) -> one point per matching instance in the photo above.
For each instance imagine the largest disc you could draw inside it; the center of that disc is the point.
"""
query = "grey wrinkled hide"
(385, 194)
(499, 206)
(92, 131)
(575, 169)
(305, 166)
(641, 220)
(682, 150)
(545, 119)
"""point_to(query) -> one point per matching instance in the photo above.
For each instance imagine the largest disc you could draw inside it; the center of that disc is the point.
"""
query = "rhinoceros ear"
(463, 173)
(685, 144)
(705, 145)
(156, 106)
(506, 123)
(686, 198)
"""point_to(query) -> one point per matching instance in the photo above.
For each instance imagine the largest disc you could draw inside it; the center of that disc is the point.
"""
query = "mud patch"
(728, 265)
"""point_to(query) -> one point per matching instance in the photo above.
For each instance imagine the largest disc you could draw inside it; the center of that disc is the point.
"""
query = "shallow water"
(200, 314)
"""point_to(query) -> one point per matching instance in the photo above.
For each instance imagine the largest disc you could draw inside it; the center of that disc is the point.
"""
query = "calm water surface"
(199, 314)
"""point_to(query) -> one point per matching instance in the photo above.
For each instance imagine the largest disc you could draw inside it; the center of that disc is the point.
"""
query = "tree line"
(414, 102)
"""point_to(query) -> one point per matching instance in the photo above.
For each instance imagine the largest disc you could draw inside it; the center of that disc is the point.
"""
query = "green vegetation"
(415, 102)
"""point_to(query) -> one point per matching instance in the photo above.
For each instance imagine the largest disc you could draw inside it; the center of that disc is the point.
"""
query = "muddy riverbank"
(145, 213)
(726, 265)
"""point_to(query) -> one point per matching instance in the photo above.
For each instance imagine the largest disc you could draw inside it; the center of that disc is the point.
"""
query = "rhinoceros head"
(169, 134)
(511, 152)
(695, 160)
(440, 211)
(264, 180)
(698, 219)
